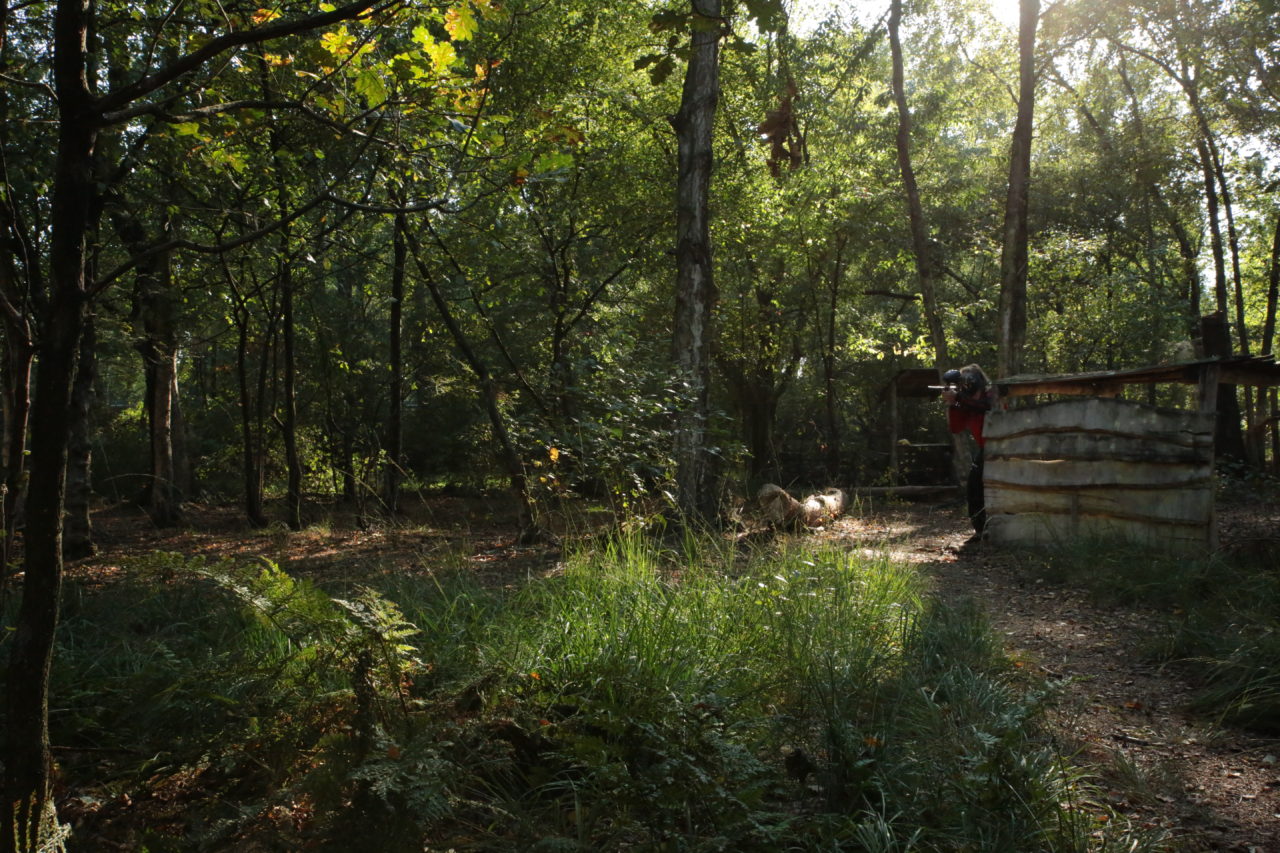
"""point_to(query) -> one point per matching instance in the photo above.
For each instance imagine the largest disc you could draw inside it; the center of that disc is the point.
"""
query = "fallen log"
(781, 509)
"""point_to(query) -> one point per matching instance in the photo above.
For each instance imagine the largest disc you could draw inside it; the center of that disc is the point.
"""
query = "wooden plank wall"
(1099, 468)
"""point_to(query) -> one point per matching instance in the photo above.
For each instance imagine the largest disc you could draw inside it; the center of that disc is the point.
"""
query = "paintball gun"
(952, 380)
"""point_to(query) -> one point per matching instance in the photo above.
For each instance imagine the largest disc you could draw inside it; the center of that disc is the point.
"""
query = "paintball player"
(969, 395)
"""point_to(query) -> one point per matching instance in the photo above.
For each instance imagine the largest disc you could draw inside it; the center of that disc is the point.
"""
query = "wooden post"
(1208, 388)
(893, 432)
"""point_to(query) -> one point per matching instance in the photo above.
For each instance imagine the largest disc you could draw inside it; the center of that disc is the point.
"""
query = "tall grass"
(788, 699)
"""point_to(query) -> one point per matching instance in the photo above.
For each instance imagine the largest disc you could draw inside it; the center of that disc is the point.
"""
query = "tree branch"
(118, 99)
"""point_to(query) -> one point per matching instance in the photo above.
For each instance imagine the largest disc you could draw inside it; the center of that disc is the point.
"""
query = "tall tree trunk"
(1267, 345)
(156, 342)
(250, 466)
(831, 403)
(1253, 437)
(184, 478)
(927, 261)
(293, 490)
(1215, 337)
(394, 441)
(1188, 252)
(1214, 218)
(19, 351)
(78, 536)
(1013, 256)
(27, 814)
(20, 279)
(695, 286)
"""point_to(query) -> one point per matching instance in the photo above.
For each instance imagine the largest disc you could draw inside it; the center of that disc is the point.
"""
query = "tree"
(1013, 257)
(26, 813)
(928, 264)
(695, 283)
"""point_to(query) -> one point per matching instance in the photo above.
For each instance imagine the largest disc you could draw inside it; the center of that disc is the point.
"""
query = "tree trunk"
(927, 262)
(293, 491)
(163, 500)
(1013, 256)
(1253, 443)
(19, 279)
(831, 404)
(759, 403)
(1215, 337)
(695, 287)
(251, 469)
(1267, 344)
(19, 351)
(27, 816)
(1215, 232)
(78, 537)
(394, 442)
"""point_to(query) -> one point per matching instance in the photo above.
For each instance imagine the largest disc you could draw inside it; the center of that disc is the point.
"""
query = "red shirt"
(969, 411)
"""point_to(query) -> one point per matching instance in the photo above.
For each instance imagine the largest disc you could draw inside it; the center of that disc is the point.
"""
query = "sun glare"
(807, 14)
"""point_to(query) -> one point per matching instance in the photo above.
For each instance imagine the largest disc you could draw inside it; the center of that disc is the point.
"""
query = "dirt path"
(1125, 718)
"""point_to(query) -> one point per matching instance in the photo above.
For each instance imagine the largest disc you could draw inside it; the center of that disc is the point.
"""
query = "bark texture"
(695, 284)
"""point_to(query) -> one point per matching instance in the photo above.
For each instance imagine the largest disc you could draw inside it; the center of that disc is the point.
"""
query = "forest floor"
(1124, 718)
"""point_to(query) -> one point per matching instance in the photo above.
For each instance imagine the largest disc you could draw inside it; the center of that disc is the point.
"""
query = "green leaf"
(370, 86)
(662, 70)
(668, 20)
(551, 163)
(442, 56)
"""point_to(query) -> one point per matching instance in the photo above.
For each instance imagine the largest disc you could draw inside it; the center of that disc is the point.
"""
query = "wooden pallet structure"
(1085, 464)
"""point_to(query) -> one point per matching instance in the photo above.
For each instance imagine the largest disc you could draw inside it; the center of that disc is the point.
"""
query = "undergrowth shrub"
(232, 673)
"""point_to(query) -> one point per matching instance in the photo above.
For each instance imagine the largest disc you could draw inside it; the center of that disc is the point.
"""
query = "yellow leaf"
(442, 56)
(263, 16)
(554, 453)
(338, 44)
(460, 22)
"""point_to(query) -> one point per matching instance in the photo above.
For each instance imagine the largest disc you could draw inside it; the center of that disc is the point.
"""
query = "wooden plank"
(1073, 444)
(1096, 416)
(1101, 473)
(1065, 531)
(1156, 507)
(905, 491)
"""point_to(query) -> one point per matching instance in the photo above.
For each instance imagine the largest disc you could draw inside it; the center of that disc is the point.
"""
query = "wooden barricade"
(1101, 468)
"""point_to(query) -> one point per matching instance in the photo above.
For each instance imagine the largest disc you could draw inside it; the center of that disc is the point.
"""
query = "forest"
(559, 285)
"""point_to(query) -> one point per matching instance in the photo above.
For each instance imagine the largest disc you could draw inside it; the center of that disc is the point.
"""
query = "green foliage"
(234, 671)
(787, 698)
